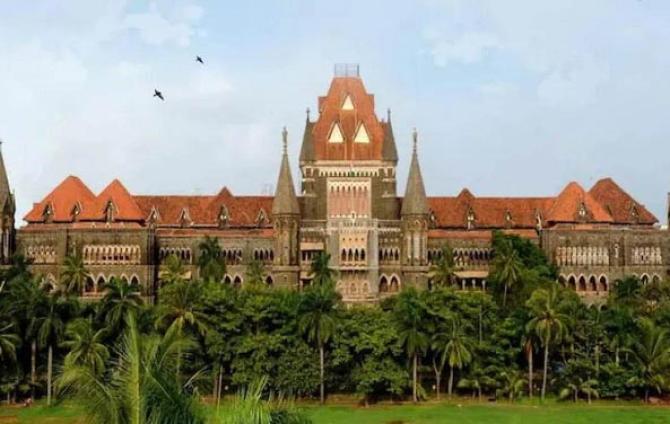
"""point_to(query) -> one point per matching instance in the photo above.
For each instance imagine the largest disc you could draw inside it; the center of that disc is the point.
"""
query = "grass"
(429, 413)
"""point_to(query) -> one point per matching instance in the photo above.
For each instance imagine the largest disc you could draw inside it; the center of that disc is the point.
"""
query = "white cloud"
(154, 28)
(467, 48)
(573, 86)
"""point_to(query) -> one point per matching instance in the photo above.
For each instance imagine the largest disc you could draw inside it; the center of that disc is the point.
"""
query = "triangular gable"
(361, 135)
(336, 134)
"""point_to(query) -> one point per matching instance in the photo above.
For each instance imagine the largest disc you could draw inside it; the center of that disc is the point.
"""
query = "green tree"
(512, 383)
(547, 322)
(85, 345)
(410, 317)
(318, 317)
(173, 271)
(580, 386)
(74, 275)
(320, 269)
(455, 349)
(443, 270)
(477, 380)
(507, 267)
(255, 273)
(178, 307)
(50, 326)
(8, 342)
(652, 354)
(211, 263)
(120, 299)
(139, 388)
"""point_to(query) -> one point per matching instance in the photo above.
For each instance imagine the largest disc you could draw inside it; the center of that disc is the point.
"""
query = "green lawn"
(605, 412)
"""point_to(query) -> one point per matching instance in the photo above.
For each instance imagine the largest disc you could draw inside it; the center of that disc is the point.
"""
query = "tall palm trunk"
(49, 373)
(415, 398)
(438, 378)
(219, 387)
(481, 329)
(530, 373)
(544, 373)
(33, 367)
(451, 380)
(505, 295)
(321, 373)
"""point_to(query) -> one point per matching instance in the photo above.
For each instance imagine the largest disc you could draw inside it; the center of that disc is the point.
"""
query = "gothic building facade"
(348, 206)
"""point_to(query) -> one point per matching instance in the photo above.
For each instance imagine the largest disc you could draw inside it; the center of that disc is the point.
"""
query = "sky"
(513, 98)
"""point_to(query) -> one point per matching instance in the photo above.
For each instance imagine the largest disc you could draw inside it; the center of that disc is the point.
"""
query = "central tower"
(348, 164)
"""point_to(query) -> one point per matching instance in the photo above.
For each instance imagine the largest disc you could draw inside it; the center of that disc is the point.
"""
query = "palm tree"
(409, 314)
(74, 275)
(477, 380)
(9, 341)
(85, 346)
(320, 270)
(443, 271)
(139, 388)
(507, 266)
(586, 387)
(120, 299)
(547, 322)
(176, 308)
(174, 270)
(318, 316)
(455, 348)
(512, 384)
(652, 353)
(528, 346)
(210, 262)
(49, 327)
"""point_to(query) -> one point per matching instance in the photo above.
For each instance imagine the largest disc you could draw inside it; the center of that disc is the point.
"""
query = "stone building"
(348, 206)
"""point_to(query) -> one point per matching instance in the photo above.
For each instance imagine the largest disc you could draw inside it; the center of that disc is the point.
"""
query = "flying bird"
(199, 59)
(158, 94)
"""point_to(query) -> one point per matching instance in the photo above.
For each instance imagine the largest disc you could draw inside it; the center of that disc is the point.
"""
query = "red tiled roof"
(567, 206)
(62, 200)
(478, 234)
(330, 113)
(125, 207)
(620, 205)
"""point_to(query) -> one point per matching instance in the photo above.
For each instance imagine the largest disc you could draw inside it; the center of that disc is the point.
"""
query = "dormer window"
(223, 216)
(361, 135)
(153, 216)
(582, 211)
(634, 214)
(261, 218)
(347, 104)
(471, 219)
(335, 134)
(184, 218)
(76, 210)
(538, 221)
(110, 210)
(48, 213)
(508, 217)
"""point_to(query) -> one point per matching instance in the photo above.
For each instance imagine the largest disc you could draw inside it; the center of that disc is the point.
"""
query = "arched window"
(383, 285)
(237, 281)
(227, 279)
(89, 287)
(268, 280)
(602, 284)
(581, 284)
(592, 283)
(395, 284)
(572, 283)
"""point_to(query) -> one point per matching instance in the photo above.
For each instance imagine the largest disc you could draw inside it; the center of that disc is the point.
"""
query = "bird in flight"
(158, 94)
(199, 59)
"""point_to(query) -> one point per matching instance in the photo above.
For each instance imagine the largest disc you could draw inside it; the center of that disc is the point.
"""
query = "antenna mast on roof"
(347, 70)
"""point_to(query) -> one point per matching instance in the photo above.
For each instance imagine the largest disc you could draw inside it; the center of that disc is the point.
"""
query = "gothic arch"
(383, 284)
(581, 283)
(268, 280)
(572, 282)
(644, 279)
(593, 285)
(394, 284)
(603, 284)
(655, 278)
(237, 281)
(134, 280)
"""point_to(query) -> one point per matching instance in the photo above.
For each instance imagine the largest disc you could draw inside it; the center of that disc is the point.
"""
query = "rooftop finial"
(388, 115)
(307, 112)
(284, 136)
(415, 138)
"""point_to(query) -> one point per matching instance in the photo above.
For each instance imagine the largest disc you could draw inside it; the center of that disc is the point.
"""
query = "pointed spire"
(5, 192)
(285, 201)
(307, 111)
(414, 202)
(389, 152)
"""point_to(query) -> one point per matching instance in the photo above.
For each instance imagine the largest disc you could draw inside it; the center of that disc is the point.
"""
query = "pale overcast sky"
(510, 97)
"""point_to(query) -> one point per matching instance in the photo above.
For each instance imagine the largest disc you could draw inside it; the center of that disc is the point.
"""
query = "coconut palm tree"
(507, 267)
(9, 341)
(49, 327)
(443, 270)
(409, 314)
(512, 383)
(456, 349)
(173, 271)
(85, 345)
(74, 275)
(547, 322)
(176, 308)
(318, 316)
(320, 269)
(139, 388)
(211, 262)
(528, 342)
(119, 300)
(580, 386)
(652, 354)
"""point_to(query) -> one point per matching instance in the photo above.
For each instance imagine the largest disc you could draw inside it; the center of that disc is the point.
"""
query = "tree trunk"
(530, 373)
(481, 337)
(49, 373)
(451, 380)
(505, 295)
(414, 393)
(33, 367)
(646, 395)
(597, 355)
(220, 387)
(574, 396)
(616, 356)
(544, 373)
(438, 381)
(321, 371)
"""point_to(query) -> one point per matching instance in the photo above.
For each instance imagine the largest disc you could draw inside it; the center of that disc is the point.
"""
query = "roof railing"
(347, 70)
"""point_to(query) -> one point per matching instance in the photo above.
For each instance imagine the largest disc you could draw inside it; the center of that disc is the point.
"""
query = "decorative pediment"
(110, 211)
(470, 218)
(185, 218)
(223, 217)
(582, 212)
(48, 212)
(261, 218)
(76, 211)
(634, 213)
(154, 216)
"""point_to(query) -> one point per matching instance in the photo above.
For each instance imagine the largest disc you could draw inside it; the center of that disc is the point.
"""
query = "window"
(361, 135)
(348, 104)
(335, 134)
